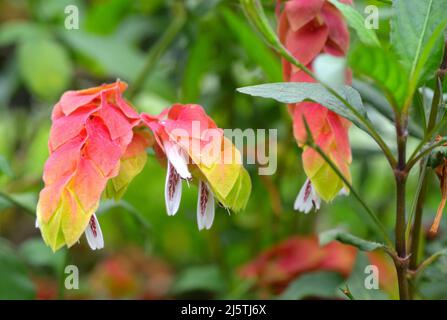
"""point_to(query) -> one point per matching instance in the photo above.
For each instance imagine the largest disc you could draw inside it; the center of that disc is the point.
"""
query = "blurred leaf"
(5, 168)
(320, 284)
(54, 10)
(374, 97)
(357, 22)
(115, 57)
(37, 152)
(203, 278)
(196, 67)
(356, 281)
(108, 205)
(19, 31)
(45, 67)
(26, 201)
(15, 282)
(37, 254)
(104, 16)
(254, 47)
(294, 92)
(387, 73)
(346, 238)
(417, 26)
(9, 81)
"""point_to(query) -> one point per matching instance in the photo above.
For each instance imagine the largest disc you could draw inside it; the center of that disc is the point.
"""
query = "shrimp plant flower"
(97, 145)
(194, 149)
(315, 33)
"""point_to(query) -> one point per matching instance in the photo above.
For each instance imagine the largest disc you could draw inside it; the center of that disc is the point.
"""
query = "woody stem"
(401, 178)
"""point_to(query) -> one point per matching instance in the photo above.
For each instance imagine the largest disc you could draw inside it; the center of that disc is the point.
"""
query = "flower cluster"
(309, 28)
(194, 148)
(98, 145)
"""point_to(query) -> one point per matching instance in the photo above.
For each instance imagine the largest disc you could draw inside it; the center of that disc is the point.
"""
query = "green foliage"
(15, 283)
(357, 22)
(322, 284)
(37, 254)
(346, 238)
(15, 32)
(290, 92)
(112, 56)
(44, 67)
(356, 281)
(197, 65)
(384, 69)
(417, 34)
(203, 278)
(5, 168)
(254, 46)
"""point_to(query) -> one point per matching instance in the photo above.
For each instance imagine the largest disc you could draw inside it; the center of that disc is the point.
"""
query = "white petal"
(93, 234)
(343, 192)
(307, 198)
(330, 69)
(205, 207)
(173, 190)
(178, 158)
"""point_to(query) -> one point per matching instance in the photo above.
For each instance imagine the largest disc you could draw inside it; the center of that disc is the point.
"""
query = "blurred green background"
(209, 50)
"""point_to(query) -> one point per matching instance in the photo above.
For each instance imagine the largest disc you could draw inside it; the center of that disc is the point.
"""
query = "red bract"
(308, 28)
(92, 130)
(195, 148)
(275, 268)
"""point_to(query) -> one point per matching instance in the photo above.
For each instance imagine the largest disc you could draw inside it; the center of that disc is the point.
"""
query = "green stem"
(417, 225)
(417, 204)
(432, 127)
(61, 276)
(424, 264)
(160, 47)
(424, 153)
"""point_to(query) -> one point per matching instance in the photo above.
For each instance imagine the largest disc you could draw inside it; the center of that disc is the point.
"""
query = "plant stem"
(417, 225)
(401, 178)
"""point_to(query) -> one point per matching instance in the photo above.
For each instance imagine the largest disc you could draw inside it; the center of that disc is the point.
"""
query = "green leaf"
(294, 92)
(115, 58)
(104, 17)
(203, 278)
(384, 69)
(196, 67)
(15, 282)
(357, 22)
(254, 47)
(26, 201)
(356, 281)
(321, 284)
(417, 35)
(18, 31)
(45, 67)
(37, 254)
(5, 168)
(347, 238)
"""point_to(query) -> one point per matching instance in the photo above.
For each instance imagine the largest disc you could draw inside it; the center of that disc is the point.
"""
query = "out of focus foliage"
(148, 254)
